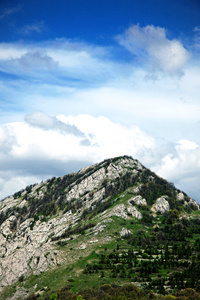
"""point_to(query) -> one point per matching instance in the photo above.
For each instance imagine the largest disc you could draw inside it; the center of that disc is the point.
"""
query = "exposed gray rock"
(132, 210)
(86, 185)
(9, 202)
(161, 205)
(124, 232)
(6, 227)
(123, 211)
(193, 204)
(180, 196)
(21, 293)
(22, 204)
(83, 246)
(25, 225)
(138, 200)
(137, 189)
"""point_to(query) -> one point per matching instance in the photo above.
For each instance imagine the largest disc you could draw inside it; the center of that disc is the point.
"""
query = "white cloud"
(20, 62)
(11, 51)
(181, 165)
(7, 139)
(41, 149)
(109, 138)
(186, 145)
(151, 43)
(106, 138)
(157, 102)
(35, 142)
(57, 61)
(15, 184)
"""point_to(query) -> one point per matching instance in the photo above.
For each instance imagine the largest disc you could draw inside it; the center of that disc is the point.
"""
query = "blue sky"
(81, 81)
(93, 21)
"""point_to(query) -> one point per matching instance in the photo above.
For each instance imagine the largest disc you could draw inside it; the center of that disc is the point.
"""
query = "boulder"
(124, 232)
(161, 205)
(180, 196)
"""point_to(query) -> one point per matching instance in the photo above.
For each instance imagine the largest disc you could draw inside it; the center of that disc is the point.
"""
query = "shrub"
(53, 296)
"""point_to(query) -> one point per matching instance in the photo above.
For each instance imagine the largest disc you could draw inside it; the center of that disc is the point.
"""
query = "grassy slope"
(72, 275)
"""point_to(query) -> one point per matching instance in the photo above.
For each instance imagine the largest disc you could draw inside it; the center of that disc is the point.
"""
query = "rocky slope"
(35, 222)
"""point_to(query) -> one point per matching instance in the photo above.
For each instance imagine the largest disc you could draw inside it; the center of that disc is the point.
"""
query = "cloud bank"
(44, 146)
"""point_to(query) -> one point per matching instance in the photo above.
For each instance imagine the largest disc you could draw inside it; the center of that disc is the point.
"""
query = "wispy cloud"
(70, 60)
(9, 11)
(36, 27)
(196, 45)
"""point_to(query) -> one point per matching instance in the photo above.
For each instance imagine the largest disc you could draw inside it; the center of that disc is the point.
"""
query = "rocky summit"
(56, 223)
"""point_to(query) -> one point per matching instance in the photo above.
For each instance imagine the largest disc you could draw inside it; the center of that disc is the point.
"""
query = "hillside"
(115, 221)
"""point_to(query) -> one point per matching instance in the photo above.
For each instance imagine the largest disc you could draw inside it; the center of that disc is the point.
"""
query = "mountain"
(116, 220)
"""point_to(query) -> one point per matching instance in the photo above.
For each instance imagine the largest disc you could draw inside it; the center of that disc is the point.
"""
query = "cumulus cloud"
(109, 138)
(54, 146)
(180, 163)
(151, 43)
(184, 162)
(7, 139)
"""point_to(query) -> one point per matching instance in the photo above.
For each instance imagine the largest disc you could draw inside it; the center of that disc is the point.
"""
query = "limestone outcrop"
(138, 200)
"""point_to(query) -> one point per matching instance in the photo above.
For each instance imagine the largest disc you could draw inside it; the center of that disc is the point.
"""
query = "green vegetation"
(158, 258)
(162, 262)
(116, 292)
(162, 259)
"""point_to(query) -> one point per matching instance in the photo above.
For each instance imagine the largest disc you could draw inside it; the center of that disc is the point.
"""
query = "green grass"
(164, 272)
(8, 291)
(71, 276)
(125, 197)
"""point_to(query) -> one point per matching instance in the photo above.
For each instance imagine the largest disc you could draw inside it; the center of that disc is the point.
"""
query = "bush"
(53, 296)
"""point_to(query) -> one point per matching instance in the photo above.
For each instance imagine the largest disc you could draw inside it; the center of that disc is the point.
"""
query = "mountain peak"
(38, 219)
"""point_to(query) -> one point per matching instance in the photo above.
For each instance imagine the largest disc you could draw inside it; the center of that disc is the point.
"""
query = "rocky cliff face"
(35, 221)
